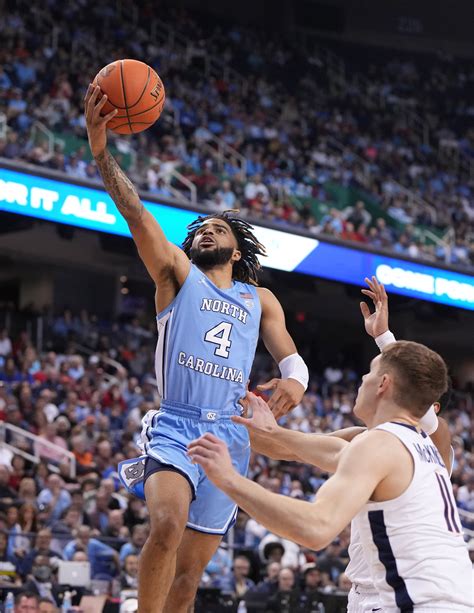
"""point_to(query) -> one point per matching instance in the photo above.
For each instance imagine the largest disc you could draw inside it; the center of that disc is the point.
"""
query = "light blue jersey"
(206, 344)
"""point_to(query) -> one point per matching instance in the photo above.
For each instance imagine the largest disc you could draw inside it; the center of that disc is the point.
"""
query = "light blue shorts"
(166, 434)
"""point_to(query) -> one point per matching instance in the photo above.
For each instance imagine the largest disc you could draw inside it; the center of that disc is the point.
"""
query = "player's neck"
(221, 276)
(388, 411)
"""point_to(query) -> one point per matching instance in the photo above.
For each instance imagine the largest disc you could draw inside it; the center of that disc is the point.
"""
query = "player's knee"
(166, 529)
(185, 586)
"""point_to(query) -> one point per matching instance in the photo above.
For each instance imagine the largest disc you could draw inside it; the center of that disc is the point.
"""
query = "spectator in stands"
(50, 433)
(226, 195)
(18, 472)
(55, 496)
(465, 495)
(330, 561)
(46, 605)
(101, 556)
(269, 584)
(139, 536)
(22, 533)
(27, 491)
(135, 513)
(358, 214)
(254, 187)
(8, 563)
(42, 580)
(219, 565)
(237, 583)
(312, 579)
(282, 599)
(26, 602)
(98, 517)
(84, 457)
(271, 549)
(63, 529)
(5, 342)
(116, 530)
(129, 575)
(42, 548)
(7, 494)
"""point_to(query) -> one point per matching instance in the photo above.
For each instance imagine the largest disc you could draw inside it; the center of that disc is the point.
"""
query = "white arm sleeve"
(293, 367)
(429, 421)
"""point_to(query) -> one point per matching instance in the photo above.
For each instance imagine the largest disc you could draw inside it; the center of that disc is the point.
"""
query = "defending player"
(391, 480)
(210, 313)
(323, 451)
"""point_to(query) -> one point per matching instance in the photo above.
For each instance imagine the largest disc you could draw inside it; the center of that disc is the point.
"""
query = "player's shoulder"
(375, 442)
(375, 450)
(267, 297)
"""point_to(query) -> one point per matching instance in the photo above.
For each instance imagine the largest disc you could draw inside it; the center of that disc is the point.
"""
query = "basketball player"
(391, 481)
(323, 451)
(210, 313)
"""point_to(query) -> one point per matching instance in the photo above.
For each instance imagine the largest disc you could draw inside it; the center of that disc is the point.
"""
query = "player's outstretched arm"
(376, 325)
(288, 391)
(363, 465)
(267, 437)
(162, 259)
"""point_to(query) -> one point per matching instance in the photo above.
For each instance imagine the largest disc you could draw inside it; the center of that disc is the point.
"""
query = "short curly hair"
(246, 269)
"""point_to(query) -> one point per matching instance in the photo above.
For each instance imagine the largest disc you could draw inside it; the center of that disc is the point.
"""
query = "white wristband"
(387, 338)
(293, 367)
(429, 421)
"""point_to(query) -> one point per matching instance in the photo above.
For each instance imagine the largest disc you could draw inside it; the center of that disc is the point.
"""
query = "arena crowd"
(334, 158)
(89, 405)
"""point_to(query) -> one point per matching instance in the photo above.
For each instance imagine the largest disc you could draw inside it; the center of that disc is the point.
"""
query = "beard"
(208, 258)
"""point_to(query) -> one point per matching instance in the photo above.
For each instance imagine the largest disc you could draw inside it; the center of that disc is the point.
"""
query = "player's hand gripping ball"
(135, 90)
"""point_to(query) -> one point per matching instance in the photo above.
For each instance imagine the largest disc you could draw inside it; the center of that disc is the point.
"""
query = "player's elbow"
(318, 536)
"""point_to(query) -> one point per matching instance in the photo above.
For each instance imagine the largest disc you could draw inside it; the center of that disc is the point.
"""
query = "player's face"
(367, 394)
(214, 244)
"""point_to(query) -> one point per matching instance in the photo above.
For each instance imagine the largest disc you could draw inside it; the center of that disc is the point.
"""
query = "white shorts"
(363, 600)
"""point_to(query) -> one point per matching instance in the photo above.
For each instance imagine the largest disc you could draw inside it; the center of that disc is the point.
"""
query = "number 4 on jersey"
(220, 336)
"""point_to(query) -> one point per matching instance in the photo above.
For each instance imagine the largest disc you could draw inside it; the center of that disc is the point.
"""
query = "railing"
(3, 125)
(36, 442)
(161, 31)
(411, 196)
(467, 517)
(187, 184)
(55, 34)
(110, 379)
(224, 152)
(419, 125)
(127, 11)
(449, 153)
(39, 128)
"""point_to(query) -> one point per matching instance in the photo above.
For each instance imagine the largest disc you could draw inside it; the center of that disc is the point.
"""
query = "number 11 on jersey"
(220, 336)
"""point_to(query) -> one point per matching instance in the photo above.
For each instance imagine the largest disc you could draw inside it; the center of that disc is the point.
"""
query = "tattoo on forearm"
(120, 188)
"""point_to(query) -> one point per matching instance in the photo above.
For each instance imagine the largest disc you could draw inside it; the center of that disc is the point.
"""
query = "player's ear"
(236, 256)
(437, 407)
(384, 384)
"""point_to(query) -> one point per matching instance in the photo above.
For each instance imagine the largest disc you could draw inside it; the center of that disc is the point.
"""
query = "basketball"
(135, 90)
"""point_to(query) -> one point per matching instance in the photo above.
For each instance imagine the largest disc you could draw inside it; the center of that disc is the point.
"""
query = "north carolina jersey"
(206, 344)
(413, 545)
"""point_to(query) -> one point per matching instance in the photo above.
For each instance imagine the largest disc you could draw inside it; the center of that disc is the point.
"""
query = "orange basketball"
(135, 90)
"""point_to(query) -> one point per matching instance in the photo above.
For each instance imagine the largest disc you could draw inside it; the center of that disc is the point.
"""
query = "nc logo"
(211, 416)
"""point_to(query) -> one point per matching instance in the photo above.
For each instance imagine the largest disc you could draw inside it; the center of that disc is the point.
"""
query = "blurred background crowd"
(84, 395)
(375, 148)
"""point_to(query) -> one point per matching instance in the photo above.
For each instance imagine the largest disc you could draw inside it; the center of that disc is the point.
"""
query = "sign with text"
(92, 208)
